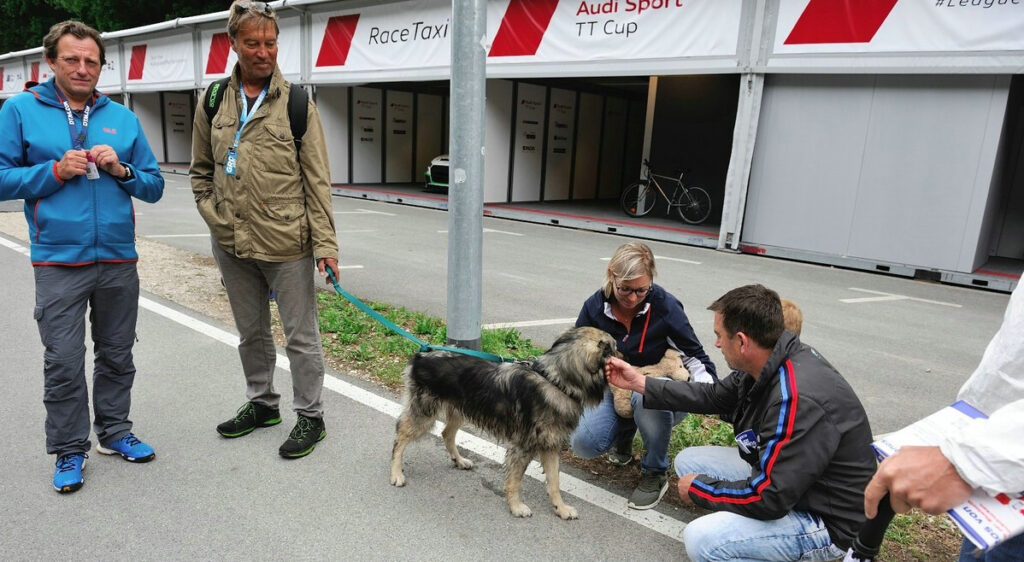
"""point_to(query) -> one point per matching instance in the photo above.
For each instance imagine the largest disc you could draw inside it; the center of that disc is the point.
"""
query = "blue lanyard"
(246, 112)
(77, 135)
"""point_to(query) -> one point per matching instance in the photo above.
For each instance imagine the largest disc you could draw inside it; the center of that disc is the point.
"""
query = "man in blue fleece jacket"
(78, 188)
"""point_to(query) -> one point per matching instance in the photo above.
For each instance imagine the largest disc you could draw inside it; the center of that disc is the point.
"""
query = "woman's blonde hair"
(630, 261)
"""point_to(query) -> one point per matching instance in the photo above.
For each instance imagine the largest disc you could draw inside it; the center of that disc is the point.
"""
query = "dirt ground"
(192, 281)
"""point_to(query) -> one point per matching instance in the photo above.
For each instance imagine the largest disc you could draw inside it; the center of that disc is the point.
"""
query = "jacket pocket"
(220, 229)
(274, 151)
(284, 230)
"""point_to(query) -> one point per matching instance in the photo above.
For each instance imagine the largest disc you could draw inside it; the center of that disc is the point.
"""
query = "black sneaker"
(250, 416)
(649, 492)
(303, 438)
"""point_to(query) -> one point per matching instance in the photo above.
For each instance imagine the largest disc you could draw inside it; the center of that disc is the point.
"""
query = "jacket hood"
(46, 92)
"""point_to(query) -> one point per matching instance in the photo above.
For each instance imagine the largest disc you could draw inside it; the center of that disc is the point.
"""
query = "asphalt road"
(906, 346)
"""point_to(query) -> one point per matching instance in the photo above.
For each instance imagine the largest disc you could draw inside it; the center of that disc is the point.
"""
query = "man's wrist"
(127, 174)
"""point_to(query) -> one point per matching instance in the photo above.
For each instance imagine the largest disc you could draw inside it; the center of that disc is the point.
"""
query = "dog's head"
(595, 345)
(579, 356)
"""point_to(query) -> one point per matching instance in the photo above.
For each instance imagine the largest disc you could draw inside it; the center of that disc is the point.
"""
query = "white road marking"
(587, 492)
(491, 230)
(364, 212)
(15, 246)
(882, 297)
(665, 258)
(503, 232)
(525, 323)
(516, 277)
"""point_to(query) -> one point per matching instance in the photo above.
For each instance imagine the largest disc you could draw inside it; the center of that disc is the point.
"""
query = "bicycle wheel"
(638, 199)
(695, 206)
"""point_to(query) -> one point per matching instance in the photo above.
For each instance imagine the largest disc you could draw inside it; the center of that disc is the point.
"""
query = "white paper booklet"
(984, 519)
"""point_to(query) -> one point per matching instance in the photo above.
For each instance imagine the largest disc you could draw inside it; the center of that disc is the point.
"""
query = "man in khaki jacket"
(270, 216)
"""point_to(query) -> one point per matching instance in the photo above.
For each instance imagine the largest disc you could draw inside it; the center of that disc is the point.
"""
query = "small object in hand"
(91, 171)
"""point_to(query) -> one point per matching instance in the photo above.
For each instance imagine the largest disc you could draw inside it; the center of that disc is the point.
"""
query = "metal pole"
(466, 182)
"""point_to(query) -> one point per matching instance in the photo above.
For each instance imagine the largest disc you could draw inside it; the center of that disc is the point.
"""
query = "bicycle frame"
(674, 200)
(693, 204)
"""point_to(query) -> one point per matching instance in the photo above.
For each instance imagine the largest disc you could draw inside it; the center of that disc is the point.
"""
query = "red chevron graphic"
(220, 48)
(1, 78)
(840, 21)
(35, 72)
(337, 40)
(138, 62)
(522, 28)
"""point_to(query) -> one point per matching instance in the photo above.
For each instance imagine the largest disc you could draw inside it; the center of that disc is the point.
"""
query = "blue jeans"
(601, 428)
(1009, 551)
(722, 535)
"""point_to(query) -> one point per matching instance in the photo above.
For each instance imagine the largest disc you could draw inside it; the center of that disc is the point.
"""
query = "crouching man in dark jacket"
(793, 489)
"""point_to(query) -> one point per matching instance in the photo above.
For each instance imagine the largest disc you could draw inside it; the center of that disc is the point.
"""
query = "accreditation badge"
(91, 171)
(229, 166)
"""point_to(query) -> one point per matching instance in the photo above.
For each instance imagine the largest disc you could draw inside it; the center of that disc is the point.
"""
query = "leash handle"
(424, 346)
(868, 541)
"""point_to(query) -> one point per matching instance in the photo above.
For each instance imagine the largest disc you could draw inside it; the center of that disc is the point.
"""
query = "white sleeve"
(989, 453)
(698, 372)
(999, 378)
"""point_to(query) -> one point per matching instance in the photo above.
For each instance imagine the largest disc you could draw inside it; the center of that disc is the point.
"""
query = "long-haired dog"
(533, 406)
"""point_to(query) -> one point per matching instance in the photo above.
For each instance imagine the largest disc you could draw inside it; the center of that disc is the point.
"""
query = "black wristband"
(128, 174)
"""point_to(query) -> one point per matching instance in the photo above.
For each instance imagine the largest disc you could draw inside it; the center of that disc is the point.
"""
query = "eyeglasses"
(75, 62)
(640, 292)
(257, 7)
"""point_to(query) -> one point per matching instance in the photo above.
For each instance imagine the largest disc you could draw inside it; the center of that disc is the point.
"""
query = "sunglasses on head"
(257, 7)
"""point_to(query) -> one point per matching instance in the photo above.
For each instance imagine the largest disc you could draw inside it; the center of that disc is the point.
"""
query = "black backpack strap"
(213, 96)
(298, 99)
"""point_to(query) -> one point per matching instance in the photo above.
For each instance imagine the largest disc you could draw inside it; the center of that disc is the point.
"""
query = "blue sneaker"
(67, 477)
(129, 447)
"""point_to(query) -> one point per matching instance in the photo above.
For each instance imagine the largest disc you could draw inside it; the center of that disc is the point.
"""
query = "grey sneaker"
(649, 492)
(621, 454)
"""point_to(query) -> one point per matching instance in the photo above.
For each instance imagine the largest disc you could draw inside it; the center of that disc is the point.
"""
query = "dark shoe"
(128, 446)
(303, 438)
(621, 454)
(250, 416)
(649, 492)
(67, 477)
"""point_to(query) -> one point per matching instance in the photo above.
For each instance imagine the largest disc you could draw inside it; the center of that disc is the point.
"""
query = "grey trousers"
(248, 283)
(111, 292)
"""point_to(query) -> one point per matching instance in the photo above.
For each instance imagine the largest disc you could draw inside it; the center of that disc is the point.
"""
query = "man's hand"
(72, 164)
(623, 375)
(323, 263)
(916, 477)
(684, 487)
(106, 160)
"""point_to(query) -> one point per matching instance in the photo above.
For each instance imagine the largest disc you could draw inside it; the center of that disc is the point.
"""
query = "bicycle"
(693, 204)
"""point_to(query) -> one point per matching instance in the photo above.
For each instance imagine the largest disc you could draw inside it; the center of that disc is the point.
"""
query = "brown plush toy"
(671, 365)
